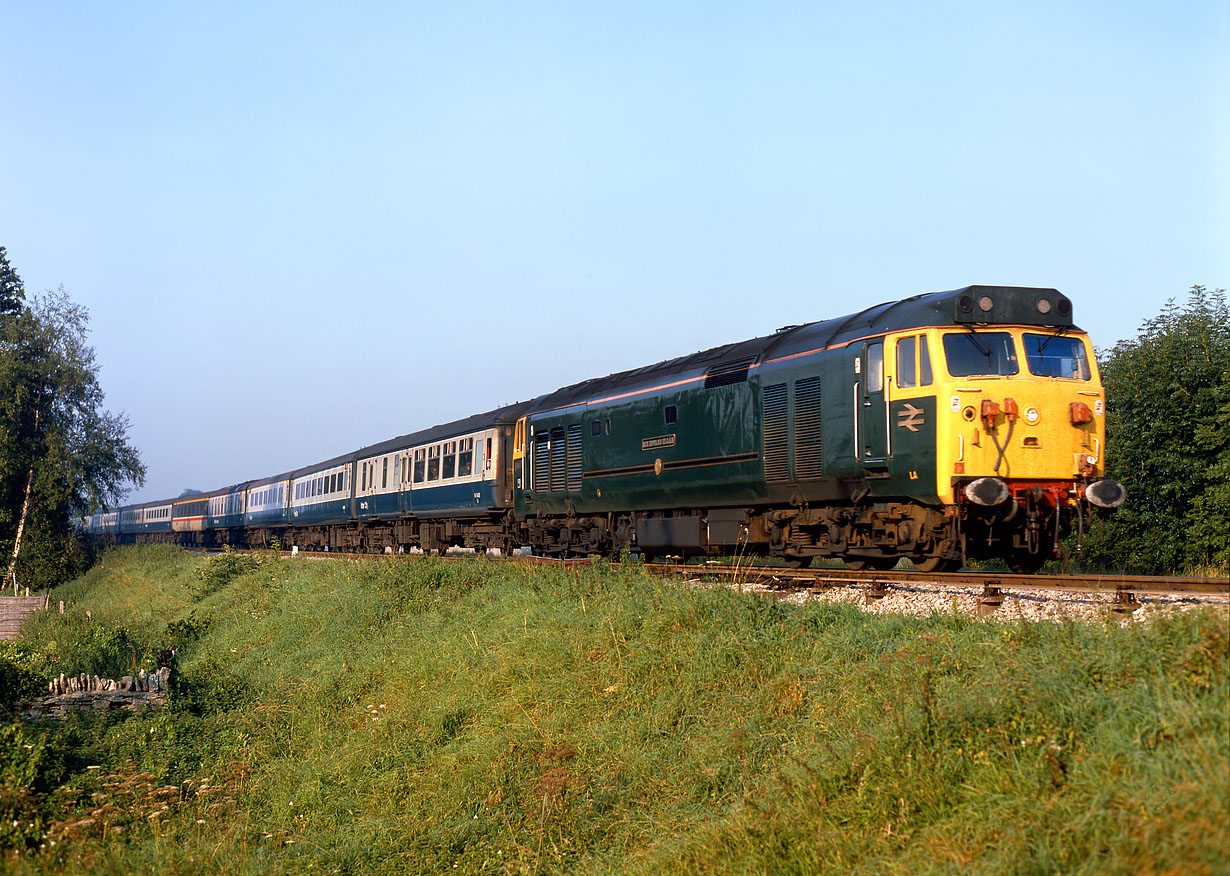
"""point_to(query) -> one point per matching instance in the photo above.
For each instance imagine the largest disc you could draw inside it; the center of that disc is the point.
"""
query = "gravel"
(1023, 605)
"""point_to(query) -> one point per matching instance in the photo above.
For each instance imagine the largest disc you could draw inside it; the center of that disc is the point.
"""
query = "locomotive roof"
(974, 306)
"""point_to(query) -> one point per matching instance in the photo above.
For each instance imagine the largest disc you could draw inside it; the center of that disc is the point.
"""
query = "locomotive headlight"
(1031, 416)
(1044, 305)
(985, 303)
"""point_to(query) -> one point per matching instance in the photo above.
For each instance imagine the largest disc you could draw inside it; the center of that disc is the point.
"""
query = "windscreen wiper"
(972, 336)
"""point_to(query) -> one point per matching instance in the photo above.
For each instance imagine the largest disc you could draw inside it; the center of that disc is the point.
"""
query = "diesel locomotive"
(949, 425)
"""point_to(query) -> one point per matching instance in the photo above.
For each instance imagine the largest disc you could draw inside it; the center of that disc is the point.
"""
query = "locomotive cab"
(1021, 433)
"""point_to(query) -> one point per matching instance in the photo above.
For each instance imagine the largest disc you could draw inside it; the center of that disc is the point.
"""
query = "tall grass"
(415, 715)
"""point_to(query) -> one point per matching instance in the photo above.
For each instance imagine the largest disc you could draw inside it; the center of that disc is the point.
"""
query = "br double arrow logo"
(910, 417)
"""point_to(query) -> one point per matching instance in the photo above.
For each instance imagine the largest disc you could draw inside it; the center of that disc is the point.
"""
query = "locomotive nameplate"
(658, 442)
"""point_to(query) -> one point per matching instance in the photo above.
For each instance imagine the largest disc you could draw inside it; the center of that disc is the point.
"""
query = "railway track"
(1124, 592)
(989, 590)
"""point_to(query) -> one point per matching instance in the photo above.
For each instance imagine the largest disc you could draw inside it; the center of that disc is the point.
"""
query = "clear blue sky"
(301, 228)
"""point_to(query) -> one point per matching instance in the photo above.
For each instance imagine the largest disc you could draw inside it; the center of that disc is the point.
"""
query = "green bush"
(74, 643)
(1168, 442)
(28, 770)
(20, 673)
(222, 569)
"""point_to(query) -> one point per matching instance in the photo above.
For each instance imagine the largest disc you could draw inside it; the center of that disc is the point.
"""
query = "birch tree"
(62, 455)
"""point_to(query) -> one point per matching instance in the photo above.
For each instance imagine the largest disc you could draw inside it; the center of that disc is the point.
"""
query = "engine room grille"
(808, 449)
(558, 459)
(728, 373)
(775, 466)
(574, 458)
(540, 472)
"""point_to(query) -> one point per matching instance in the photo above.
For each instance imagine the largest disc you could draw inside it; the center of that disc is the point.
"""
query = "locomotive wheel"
(879, 564)
(1026, 563)
(937, 564)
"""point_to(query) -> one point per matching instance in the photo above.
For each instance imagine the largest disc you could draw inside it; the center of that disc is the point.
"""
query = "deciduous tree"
(1168, 440)
(62, 455)
(12, 291)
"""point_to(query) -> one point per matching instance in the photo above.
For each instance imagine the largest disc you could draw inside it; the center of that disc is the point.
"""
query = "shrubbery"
(1168, 442)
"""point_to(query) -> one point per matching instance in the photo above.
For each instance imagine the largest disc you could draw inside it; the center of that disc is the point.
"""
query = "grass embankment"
(420, 716)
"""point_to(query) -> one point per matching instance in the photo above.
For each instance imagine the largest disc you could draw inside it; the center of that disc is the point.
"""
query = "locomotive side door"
(872, 413)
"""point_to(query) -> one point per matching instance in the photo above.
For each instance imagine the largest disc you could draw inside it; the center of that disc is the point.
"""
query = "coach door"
(872, 411)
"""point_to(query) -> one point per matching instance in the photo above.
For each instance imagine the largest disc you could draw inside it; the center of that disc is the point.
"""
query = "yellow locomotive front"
(1020, 432)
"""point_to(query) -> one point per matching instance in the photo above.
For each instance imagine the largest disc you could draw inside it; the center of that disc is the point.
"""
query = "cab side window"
(907, 375)
(875, 367)
(913, 362)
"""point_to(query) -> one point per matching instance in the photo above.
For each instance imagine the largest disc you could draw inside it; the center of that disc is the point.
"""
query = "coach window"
(384, 478)
(465, 463)
(450, 459)
(433, 463)
(419, 460)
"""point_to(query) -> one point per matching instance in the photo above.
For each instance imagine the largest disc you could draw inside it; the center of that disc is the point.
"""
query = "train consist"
(941, 427)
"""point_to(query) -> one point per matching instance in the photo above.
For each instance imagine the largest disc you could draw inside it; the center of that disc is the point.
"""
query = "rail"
(1124, 587)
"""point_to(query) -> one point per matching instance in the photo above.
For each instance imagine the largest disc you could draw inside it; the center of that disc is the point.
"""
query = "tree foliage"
(12, 290)
(62, 454)
(1168, 441)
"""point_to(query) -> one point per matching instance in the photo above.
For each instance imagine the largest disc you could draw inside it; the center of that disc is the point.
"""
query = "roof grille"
(728, 373)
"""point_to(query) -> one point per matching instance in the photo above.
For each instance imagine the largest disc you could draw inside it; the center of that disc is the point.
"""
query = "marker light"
(985, 303)
(990, 410)
(1044, 305)
(1079, 413)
